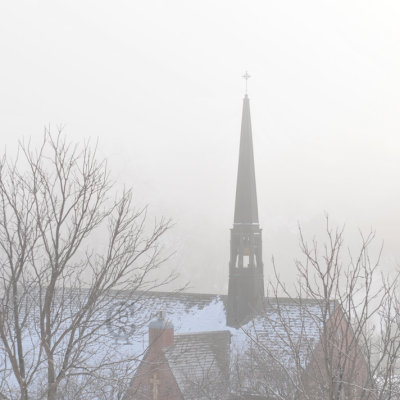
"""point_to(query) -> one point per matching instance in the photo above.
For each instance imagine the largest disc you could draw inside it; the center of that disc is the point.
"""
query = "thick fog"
(158, 83)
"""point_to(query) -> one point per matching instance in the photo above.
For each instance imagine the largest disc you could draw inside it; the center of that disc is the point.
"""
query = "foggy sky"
(159, 84)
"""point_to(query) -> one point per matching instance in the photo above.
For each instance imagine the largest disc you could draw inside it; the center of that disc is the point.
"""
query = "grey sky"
(159, 84)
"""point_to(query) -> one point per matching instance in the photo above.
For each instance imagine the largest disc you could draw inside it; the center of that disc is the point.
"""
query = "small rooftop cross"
(155, 382)
(246, 77)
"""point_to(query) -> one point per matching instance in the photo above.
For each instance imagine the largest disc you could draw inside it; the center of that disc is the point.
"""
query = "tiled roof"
(200, 364)
(284, 324)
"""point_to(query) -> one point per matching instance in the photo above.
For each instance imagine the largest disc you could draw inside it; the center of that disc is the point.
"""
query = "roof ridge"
(203, 332)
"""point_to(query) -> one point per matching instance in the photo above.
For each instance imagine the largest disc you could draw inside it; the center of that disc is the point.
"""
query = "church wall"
(337, 364)
(143, 386)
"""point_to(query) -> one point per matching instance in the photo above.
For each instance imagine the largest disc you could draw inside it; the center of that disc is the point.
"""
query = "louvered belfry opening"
(246, 276)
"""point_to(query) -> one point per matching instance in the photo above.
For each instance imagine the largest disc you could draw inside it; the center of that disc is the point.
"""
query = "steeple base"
(245, 296)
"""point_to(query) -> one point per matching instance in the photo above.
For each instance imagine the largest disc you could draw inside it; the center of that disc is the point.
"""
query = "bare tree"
(74, 257)
(336, 338)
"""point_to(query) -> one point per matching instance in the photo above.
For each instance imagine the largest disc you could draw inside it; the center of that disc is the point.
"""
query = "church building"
(202, 346)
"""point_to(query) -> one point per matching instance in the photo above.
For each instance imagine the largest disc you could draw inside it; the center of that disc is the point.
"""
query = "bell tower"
(246, 276)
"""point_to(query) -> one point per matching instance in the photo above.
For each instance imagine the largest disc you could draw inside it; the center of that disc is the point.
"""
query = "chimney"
(161, 333)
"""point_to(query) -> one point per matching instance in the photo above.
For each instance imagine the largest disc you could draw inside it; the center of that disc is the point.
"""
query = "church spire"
(246, 276)
(246, 210)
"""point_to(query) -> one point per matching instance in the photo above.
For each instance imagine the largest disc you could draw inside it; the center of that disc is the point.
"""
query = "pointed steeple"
(246, 210)
(246, 270)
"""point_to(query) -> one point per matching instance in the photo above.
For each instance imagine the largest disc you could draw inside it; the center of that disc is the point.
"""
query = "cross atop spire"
(246, 77)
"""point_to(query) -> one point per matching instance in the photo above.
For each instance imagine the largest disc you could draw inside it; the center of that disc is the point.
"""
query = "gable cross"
(155, 382)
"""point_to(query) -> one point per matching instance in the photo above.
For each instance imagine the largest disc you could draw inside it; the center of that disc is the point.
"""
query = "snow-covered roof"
(283, 335)
(282, 326)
